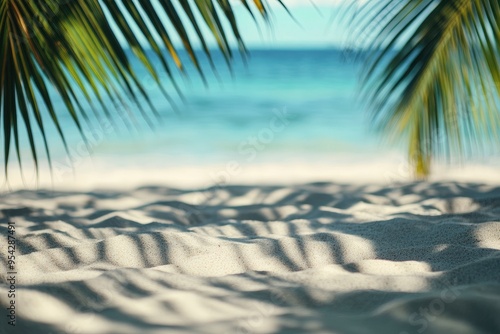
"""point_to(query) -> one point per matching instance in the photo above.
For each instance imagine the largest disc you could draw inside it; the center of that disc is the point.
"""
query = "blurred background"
(292, 104)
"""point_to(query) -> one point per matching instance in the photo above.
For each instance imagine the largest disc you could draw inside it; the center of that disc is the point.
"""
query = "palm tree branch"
(72, 48)
(439, 79)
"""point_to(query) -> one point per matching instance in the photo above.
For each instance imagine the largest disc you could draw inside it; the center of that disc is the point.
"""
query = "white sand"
(129, 172)
(311, 258)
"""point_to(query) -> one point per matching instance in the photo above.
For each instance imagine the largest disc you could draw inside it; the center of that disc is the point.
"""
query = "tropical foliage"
(75, 47)
(434, 73)
(433, 70)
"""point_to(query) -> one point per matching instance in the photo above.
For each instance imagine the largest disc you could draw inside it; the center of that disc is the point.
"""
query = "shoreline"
(104, 174)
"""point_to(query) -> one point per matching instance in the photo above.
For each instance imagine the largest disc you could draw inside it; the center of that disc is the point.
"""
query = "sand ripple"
(323, 258)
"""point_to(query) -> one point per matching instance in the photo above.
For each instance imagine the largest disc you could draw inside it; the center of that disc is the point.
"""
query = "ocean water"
(279, 105)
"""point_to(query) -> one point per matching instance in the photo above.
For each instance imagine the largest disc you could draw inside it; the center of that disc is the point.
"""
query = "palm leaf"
(72, 47)
(434, 74)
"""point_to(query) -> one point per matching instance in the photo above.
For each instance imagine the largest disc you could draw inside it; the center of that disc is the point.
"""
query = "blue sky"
(315, 27)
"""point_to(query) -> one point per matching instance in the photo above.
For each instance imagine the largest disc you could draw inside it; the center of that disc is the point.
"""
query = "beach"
(310, 257)
(245, 167)
(267, 204)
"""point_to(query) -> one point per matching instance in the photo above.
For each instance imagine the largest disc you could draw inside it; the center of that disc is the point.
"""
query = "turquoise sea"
(315, 92)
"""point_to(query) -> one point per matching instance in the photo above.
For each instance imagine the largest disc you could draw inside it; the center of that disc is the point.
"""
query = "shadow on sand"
(318, 236)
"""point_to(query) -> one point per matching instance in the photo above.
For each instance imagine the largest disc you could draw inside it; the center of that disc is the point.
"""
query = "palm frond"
(434, 74)
(73, 47)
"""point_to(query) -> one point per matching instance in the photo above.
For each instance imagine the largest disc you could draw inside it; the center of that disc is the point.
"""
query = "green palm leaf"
(434, 74)
(73, 47)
